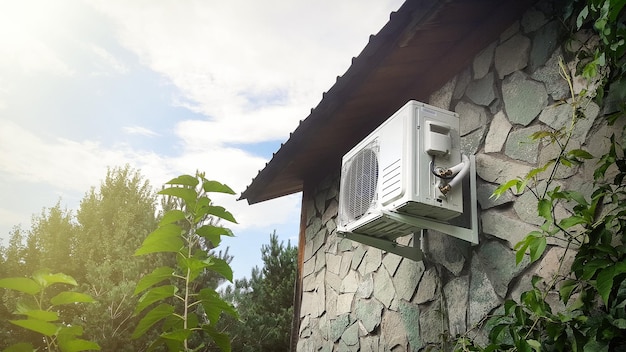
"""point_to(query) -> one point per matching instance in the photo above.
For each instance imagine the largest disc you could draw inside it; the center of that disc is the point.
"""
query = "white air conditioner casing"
(390, 170)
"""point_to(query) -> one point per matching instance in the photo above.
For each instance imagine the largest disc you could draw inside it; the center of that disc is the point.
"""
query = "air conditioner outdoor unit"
(404, 167)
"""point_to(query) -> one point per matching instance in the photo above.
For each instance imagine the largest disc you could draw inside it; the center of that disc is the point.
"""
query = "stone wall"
(358, 298)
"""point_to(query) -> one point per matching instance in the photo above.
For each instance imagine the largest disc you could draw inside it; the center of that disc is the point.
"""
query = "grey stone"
(311, 212)
(313, 282)
(456, 293)
(432, 322)
(338, 327)
(313, 229)
(410, 314)
(351, 336)
(369, 343)
(369, 312)
(407, 278)
(330, 212)
(472, 141)
(549, 153)
(320, 261)
(498, 263)
(442, 97)
(482, 61)
(560, 116)
(498, 131)
(499, 225)
(446, 250)
(482, 91)
(333, 281)
(393, 329)
(509, 32)
(391, 262)
(357, 257)
(342, 347)
(496, 170)
(333, 263)
(428, 290)
(305, 329)
(308, 267)
(346, 261)
(383, 287)
(371, 260)
(344, 303)
(366, 286)
(320, 202)
(471, 117)
(533, 20)
(331, 302)
(545, 42)
(482, 297)
(350, 282)
(345, 245)
(512, 55)
(520, 146)
(463, 79)
(526, 208)
(550, 75)
(313, 303)
(523, 98)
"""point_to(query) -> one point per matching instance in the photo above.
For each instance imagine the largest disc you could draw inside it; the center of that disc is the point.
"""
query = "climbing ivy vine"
(592, 292)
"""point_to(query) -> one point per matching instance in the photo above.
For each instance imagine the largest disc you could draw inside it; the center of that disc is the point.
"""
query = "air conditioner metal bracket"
(419, 223)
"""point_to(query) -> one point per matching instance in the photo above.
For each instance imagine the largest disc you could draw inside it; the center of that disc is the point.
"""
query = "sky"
(168, 87)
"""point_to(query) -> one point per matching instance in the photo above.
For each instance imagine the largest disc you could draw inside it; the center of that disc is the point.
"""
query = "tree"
(112, 222)
(265, 301)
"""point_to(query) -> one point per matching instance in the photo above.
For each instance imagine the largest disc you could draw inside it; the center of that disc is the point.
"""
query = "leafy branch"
(42, 315)
(182, 309)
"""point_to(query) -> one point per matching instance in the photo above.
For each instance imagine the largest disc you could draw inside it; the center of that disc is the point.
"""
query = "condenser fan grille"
(361, 179)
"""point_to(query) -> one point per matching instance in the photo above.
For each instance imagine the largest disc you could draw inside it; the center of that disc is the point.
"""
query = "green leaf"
(214, 305)
(503, 188)
(46, 279)
(69, 297)
(38, 314)
(566, 223)
(213, 233)
(171, 217)
(154, 295)
(194, 265)
(76, 345)
(187, 194)
(221, 267)
(221, 213)
(157, 275)
(534, 344)
(42, 327)
(544, 208)
(177, 335)
(165, 238)
(579, 153)
(154, 316)
(21, 284)
(214, 186)
(537, 246)
(567, 287)
(184, 180)
(220, 339)
(20, 347)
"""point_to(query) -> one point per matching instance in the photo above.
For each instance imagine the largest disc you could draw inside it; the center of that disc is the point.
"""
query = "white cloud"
(139, 130)
(253, 67)
(73, 167)
(109, 61)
